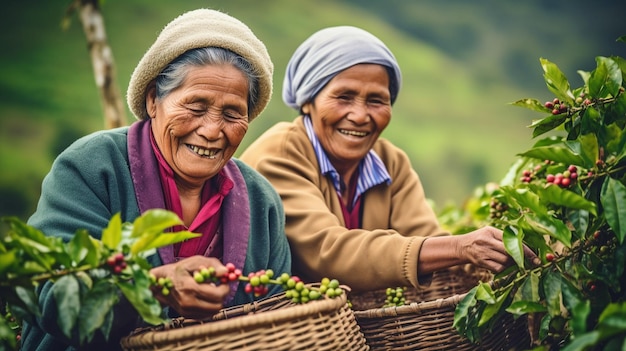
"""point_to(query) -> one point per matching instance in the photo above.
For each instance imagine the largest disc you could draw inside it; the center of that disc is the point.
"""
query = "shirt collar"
(372, 170)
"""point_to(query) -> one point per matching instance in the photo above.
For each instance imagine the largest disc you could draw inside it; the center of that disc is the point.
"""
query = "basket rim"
(167, 336)
(412, 308)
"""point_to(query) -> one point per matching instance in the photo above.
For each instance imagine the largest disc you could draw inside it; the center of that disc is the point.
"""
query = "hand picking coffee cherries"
(257, 283)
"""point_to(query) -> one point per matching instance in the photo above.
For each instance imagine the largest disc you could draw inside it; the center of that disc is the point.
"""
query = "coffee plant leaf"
(571, 295)
(149, 241)
(137, 292)
(613, 199)
(606, 79)
(512, 239)
(557, 154)
(465, 313)
(555, 195)
(154, 221)
(580, 314)
(485, 293)
(112, 234)
(65, 290)
(616, 143)
(519, 308)
(583, 342)
(556, 81)
(529, 288)
(588, 149)
(551, 286)
(546, 124)
(491, 310)
(83, 249)
(7, 261)
(531, 104)
(95, 305)
(546, 225)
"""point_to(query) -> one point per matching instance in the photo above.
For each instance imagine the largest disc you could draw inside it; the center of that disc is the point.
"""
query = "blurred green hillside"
(463, 63)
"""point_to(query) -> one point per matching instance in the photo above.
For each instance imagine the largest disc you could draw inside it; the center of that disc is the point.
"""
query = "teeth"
(350, 132)
(204, 152)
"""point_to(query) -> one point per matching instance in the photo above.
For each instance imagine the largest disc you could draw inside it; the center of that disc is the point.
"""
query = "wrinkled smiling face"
(350, 113)
(199, 126)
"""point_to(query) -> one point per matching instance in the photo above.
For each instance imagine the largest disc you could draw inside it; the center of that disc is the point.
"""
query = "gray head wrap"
(327, 53)
(197, 29)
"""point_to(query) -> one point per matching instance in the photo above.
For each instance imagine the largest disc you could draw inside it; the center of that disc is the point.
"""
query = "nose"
(359, 113)
(211, 126)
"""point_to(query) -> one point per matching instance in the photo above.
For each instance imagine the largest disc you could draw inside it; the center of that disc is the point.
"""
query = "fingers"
(188, 297)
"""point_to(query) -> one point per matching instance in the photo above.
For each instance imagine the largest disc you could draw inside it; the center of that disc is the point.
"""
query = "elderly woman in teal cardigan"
(194, 92)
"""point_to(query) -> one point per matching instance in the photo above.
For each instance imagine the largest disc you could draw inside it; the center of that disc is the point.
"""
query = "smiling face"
(350, 113)
(199, 125)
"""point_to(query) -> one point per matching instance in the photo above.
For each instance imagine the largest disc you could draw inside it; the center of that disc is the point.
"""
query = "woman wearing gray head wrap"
(194, 92)
(355, 209)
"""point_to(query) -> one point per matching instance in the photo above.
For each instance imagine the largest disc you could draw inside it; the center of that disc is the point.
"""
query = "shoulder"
(390, 154)
(283, 139)
(103, 139)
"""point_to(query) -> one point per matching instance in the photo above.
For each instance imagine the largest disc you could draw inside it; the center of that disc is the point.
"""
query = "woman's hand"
(189, 298)
(484, 248)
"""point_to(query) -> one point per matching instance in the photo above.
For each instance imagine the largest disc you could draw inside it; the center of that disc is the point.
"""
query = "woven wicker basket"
(274, 323)
(425, 322)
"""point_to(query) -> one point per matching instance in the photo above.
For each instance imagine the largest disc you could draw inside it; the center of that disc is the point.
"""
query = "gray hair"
(174, 74)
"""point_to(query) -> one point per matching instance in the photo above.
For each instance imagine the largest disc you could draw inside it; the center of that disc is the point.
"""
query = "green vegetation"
(462, 67)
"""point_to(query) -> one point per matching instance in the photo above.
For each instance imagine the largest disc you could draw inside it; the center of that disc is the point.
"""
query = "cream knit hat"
(197, 29)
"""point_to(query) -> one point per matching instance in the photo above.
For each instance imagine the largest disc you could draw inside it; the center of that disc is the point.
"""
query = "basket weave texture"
(425, 322)
(275, 323)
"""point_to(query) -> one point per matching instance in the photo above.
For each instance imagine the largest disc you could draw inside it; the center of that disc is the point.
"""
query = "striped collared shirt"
(372, 170)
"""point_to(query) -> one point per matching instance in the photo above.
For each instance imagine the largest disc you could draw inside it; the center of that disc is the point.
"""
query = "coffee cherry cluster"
(565, 179)
(395, 297)
(257, 283)
(497, 208)
(117, 263)
(556, 106)
(163, 284)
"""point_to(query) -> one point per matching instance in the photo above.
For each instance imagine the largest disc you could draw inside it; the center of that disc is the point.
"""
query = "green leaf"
(83, 249)
(606, 79)
(613, 199)
(112, 234)
(556, 81)
(532, 104)
(512, 239)
(156, 240)
(579, 315)
(491, 310)
(485, 293)
(525, 199)
(553, 194)
(7, 260)
(523, 307)
(29, 299)
(547, 124)
(582, 342)
(554, 153)
(140, 296)
(551, 285)
(550, 226)
(589, 149)
(66, 291)
(154, 221)
(97, 303)
(463, 308)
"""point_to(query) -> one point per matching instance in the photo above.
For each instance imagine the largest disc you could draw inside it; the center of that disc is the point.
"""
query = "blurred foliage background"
(463, 62)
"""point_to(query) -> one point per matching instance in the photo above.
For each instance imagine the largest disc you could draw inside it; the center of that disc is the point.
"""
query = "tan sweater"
(396, 218)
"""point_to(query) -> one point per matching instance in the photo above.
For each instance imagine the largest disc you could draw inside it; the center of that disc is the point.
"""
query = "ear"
(306, 108)
(151, 99)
